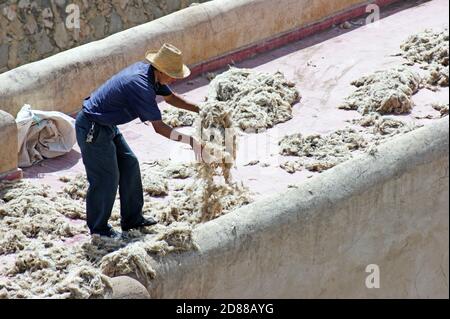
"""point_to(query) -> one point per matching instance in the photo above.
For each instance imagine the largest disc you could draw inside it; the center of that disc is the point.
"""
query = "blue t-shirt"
(129, 94)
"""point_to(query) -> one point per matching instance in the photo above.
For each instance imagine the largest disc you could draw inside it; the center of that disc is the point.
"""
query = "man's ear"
(156, 72)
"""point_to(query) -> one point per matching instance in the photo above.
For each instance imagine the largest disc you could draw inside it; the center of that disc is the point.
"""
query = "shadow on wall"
(33, 30)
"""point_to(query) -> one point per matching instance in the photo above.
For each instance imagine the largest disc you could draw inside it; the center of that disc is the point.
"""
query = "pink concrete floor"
(322, 66)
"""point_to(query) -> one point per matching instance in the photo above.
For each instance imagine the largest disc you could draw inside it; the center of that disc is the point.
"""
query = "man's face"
(164, 78)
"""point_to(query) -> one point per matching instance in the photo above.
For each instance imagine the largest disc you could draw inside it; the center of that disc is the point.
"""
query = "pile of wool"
(321, 152)
(137, 257)
(51, 270)
(192, 204)
(12, 242)
(84, 282)
(154, 183)
(442, 108)
(75, 187)
(430, 49)
(257, 99)
(34, 212)
(385, 92)
(36, 225)
(293, 166)
(169, 169)
(177, 117)
(132, 259)
(154, 179)
(384, 125)
(216, 130)
(178, 237)
(45, 268)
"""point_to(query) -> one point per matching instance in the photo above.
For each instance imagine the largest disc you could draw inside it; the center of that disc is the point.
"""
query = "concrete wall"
(31, 30)
(390, 209)
(203, 32)
(9, 147)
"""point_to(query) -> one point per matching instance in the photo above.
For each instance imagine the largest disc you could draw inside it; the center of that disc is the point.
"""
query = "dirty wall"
(31, 30)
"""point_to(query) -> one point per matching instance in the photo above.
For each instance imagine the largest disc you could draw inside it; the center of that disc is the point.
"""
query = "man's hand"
(163, 129)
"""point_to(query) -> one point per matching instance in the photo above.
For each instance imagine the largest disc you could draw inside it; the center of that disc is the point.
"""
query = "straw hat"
(169, 60)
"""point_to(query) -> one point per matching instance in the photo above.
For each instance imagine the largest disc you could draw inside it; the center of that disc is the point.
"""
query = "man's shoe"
(148, 222)
(112, 234)
(144, 223)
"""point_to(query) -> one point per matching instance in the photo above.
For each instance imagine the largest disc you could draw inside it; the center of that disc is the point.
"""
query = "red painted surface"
(12, 175)
(279, 41)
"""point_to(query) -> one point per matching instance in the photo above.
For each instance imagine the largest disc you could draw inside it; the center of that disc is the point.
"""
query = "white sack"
(43, 134)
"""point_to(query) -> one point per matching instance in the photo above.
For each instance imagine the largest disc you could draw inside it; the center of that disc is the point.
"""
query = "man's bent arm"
(177, 101)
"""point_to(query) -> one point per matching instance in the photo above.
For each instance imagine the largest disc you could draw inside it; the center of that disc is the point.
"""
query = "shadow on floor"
(51, 165)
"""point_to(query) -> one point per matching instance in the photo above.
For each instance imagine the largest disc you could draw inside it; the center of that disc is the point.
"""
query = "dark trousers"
(110, 164)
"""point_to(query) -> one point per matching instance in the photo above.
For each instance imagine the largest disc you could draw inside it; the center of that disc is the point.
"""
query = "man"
(109, 161)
